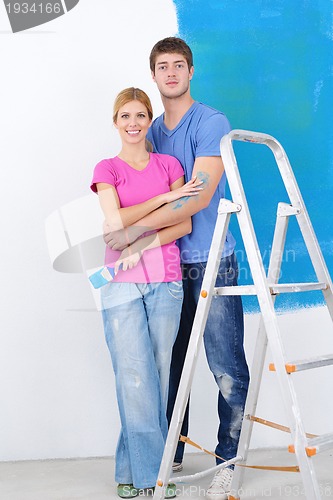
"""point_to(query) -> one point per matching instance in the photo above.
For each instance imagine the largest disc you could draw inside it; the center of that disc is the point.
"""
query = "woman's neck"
(137, 158)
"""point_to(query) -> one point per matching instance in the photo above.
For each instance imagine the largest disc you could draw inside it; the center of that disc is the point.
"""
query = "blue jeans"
(223, 340)
(141, 323)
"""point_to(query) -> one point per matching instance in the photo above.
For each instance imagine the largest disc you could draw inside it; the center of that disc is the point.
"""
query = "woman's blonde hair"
(128, 95)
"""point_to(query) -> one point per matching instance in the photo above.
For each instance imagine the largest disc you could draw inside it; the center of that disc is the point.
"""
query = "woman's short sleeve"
(103, 172)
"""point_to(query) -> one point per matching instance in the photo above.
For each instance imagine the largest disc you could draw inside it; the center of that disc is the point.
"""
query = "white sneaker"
(221, 485)
(177, 467)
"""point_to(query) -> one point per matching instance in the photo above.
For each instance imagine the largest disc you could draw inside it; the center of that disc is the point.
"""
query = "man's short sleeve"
(103, 172)
(209, 134)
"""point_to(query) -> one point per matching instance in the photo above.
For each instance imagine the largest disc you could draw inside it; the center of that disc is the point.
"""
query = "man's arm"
(208, 169)
(119, 218)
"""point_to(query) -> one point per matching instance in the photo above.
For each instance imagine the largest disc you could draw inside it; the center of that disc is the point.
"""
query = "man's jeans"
(223, 340)
(141, 323)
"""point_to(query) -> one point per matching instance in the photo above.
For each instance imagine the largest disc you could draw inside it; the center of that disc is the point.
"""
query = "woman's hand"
(191, 188)
(128, 259)
(122, 238)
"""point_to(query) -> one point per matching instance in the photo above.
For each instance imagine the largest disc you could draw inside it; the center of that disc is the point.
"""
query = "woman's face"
(133, 122)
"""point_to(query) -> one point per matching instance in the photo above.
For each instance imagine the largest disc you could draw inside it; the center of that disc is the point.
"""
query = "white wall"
(57, 85)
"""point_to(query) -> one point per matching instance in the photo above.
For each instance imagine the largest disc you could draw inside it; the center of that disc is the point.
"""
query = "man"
(191, 131)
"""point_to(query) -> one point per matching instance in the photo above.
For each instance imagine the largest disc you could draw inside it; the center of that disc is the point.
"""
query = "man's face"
(172, 75)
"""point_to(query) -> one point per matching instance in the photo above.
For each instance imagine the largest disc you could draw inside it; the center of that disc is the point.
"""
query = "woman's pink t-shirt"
(136, 186)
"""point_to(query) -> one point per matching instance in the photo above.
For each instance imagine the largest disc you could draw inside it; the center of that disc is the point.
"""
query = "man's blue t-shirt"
(197, 134)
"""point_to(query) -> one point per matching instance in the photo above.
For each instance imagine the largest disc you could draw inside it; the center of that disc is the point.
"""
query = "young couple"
(150, 200)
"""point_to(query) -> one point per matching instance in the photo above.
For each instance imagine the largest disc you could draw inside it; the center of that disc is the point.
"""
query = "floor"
(92, 479)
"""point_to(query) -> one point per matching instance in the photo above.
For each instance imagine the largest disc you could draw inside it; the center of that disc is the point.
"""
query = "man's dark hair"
(171, 45)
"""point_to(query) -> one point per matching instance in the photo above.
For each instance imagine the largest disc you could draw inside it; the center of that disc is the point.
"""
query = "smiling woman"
(141, 306)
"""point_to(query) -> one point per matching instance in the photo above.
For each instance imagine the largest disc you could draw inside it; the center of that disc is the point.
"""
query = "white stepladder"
(266, 287)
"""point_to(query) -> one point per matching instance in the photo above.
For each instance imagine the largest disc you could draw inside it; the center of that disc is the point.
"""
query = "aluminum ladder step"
(306, 364)
(275, 289)
(316, 444)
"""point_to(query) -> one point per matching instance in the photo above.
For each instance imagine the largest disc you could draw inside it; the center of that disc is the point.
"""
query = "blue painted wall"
(268, 64)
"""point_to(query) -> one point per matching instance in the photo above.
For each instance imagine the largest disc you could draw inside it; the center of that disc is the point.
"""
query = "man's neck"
(175, 109)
